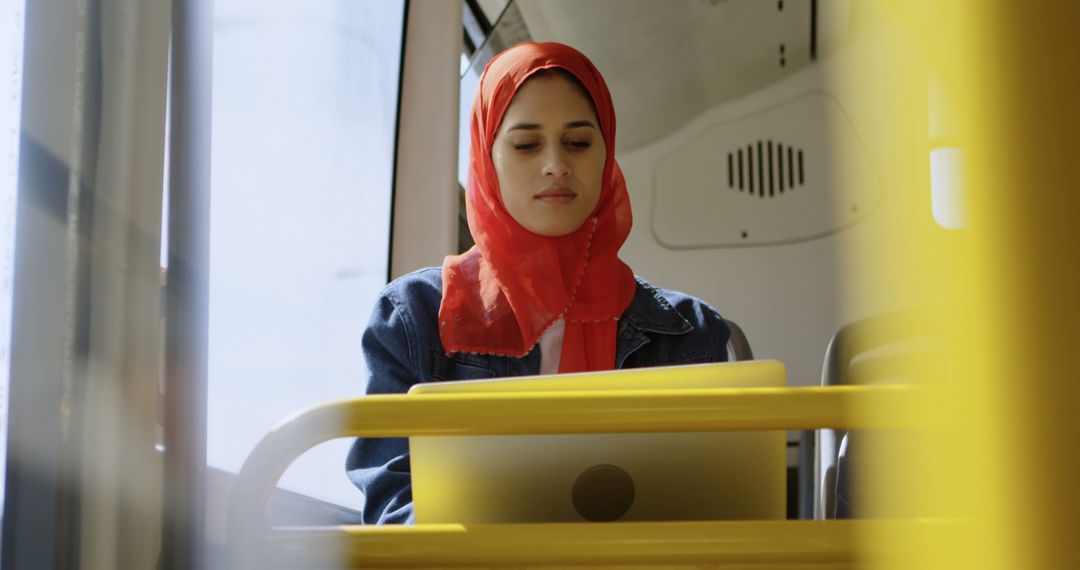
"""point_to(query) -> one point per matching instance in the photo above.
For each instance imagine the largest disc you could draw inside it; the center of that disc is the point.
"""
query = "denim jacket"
(402, 347)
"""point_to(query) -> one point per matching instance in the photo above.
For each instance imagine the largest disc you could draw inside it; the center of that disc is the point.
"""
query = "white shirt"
(551, 347)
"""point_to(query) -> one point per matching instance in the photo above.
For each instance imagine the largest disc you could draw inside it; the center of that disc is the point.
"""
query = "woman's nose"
(556, 164)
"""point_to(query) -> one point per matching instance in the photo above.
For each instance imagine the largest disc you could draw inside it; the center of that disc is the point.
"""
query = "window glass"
(11, 30)
(492, 9)
(304, 115)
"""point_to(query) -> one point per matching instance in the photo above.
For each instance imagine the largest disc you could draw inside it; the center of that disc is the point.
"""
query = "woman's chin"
(553, 228)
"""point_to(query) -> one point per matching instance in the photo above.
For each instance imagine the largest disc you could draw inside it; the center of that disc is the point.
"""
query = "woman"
(543, 290)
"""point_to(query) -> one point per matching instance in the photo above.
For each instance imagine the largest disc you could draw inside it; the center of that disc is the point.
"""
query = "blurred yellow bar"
(729, 544)
(1000, 454)
(726, 409)
(770, 544)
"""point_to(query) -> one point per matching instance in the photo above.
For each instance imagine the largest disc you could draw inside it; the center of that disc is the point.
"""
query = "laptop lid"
(601, 477)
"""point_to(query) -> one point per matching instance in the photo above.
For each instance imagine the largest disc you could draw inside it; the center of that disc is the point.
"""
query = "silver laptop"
(604, 477)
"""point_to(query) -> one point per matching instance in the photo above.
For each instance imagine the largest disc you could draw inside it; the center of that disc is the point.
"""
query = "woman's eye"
(579, 145)
(526, 146)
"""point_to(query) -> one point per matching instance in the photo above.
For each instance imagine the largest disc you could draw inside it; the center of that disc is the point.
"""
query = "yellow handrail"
(666, 543)
(716, 409)
(757, 544)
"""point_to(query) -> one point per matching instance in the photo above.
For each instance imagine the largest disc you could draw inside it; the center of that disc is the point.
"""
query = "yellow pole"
(1000, 459)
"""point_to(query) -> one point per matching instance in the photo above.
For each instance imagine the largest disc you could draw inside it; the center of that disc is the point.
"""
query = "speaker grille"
(766, 169)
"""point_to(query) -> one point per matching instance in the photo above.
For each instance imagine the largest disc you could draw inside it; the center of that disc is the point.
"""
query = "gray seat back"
(887, 348)
(738, 348)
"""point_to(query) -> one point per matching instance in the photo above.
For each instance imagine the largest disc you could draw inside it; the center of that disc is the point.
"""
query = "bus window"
(304, 110)
(11, 22)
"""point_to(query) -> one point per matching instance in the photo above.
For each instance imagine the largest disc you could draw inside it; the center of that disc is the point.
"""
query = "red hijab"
(501, 295)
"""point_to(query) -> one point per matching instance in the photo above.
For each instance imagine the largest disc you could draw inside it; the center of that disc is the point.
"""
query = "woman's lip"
(556, 195)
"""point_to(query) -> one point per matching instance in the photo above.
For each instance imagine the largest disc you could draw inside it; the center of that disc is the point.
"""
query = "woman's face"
(549, 156)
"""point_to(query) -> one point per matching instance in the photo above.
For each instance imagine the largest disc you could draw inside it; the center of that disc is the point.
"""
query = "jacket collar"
(650, 312)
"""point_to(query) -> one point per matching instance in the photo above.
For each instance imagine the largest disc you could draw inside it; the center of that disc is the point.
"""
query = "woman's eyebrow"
(576, 124)
(536, 127)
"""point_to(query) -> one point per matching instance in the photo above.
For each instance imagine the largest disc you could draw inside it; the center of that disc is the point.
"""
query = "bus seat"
(889, 348)
(738, 348)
